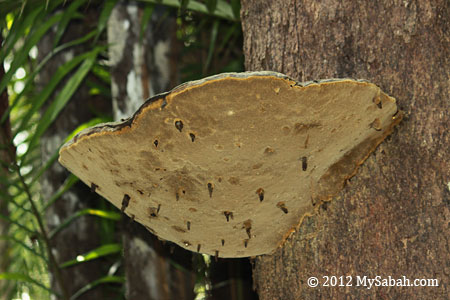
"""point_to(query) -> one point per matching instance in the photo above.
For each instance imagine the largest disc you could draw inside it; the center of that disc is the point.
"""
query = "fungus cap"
(229, 165)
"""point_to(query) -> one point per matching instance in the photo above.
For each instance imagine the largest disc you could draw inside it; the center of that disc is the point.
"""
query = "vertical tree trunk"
(392, 218)
(6, 151)
(141, 68)
(83, 233)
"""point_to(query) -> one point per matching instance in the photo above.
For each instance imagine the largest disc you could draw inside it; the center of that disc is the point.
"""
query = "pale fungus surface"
(229, 165)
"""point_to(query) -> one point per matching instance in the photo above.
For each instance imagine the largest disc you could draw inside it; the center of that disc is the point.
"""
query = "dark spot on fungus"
(210, 189)
(178, 229)
(245, 243)
(260, 193)
(304, 163)
(188, 225)
(179, 125)
(159, 207)
(223, 242)
(198, 247)
(191, 209)
(248, 228)
(164, 103)
(192, 136)
(155, 142)
(93, 187)
(282, 206)
(125, 202)
(177, 196)
(140, 192)
(228, 215)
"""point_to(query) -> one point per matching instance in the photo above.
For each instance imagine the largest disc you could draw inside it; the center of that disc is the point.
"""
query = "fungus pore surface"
(229, 165)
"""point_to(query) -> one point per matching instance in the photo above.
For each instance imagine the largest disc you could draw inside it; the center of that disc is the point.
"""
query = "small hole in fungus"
(159, 207)
(188, 225)
(223, 242)
(228, 215)
(179, 125)
(245, 243)
(198, 247)
(125, 202)
(155, 142)
(304, 163)
(282, 206)
(210, 189)
(192, 136)
(260, 193)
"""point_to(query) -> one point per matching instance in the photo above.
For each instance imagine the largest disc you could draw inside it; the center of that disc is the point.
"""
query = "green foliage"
(209, 29)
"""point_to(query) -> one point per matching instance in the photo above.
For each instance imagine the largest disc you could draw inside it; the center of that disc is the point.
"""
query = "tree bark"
(141, 66)
(392, 219)
(82, 235)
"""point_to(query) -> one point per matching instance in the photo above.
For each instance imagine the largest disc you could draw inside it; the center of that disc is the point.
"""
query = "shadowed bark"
(392, 217)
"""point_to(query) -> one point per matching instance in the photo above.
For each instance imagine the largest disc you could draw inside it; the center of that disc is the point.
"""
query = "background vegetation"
(211, 36)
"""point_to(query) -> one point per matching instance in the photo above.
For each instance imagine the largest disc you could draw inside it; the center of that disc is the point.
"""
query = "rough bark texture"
(83, 234)
(392, 219)
(141, 68)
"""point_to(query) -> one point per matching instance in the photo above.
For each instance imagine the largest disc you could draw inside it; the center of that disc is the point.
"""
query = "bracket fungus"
(229, 165)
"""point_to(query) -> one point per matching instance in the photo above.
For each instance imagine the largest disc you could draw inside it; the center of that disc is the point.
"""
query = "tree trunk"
(82, 235)
(392, 218)
(141, 66)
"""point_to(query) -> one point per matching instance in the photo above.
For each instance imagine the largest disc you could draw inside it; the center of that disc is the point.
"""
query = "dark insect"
(228, 214)
(125, 202)
(304, 163)
(155, 142)
(210, 189)
(192, 136)
(198, 247)
(282, 206)
(93, 187)
(260, 193)
(248, 228)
